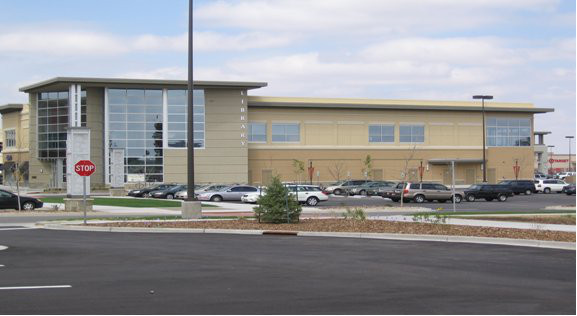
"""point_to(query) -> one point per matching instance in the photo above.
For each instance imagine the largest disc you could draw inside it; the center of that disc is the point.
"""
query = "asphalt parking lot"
(517, 203)
(137, 273)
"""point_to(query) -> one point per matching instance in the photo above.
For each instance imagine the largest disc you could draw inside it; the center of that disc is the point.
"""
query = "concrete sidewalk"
(485, 223)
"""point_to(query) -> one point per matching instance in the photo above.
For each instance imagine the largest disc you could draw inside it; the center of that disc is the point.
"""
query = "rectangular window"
(507, 132)
(177, 118)
(412, 133)
(257, 132)
(381, 133)
(287, 132)
(53, 120)
(10, 137)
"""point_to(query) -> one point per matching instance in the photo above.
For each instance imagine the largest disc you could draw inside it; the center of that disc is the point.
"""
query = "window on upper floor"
(411, 133)
(286, 132)
(379, 133)
(10, 137)
(502, 132)
(257, 132)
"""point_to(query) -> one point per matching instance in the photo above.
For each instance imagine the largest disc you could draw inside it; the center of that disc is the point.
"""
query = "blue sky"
(516, 50)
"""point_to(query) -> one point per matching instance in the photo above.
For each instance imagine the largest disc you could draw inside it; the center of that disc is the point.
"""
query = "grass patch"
(124, 202)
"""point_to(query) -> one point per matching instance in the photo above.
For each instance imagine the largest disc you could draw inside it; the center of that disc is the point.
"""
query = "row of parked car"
(308, 194)
(560, 176)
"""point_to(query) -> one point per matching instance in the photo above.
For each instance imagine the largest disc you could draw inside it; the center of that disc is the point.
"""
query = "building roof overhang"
(541, 132)
(62, 83)
(364, 104)
(11, 107)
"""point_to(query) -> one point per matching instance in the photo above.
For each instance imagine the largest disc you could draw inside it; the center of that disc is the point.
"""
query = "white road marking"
(1, 266)
(19, 228)
(35, 287)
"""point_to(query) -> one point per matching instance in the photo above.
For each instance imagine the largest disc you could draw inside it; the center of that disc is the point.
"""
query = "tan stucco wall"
(224, 158)
(340, 136)
(19, 121)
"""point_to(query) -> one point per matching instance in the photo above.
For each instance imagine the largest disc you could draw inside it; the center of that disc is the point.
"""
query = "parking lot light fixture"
(551, 158)
(569, 157)
(483, 98)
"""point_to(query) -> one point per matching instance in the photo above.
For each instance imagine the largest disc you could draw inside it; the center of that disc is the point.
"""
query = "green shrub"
(357, 214)
(272, 207)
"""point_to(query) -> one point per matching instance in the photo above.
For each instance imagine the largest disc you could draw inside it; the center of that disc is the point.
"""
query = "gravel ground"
(368, 226)
(541, 219)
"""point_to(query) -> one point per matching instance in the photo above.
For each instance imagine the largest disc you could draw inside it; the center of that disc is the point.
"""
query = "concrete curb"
(384, 236)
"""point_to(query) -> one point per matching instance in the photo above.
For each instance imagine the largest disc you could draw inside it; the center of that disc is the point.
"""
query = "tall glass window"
(177, 117)
(503, 132)
(257, 132)
(411, 133)
(53, 121)
(135, 123)
(286, 132)
(381, 133)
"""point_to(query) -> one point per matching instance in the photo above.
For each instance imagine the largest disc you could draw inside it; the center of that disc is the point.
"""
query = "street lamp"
(569, 158)
(191, 208)
(483, 98)
(551, 159)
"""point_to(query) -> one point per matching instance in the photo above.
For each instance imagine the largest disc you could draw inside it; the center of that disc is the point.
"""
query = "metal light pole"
(483, 98)
(191, 208)
(569, 158)
(551, 159)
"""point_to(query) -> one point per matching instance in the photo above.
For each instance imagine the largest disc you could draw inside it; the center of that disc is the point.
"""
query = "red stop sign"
(84, 168)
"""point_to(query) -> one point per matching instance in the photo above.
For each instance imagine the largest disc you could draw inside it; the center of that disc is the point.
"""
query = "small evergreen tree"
(272, 207)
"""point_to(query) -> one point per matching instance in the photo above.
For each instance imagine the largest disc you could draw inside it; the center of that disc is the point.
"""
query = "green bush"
(356, 214)
(272, 207)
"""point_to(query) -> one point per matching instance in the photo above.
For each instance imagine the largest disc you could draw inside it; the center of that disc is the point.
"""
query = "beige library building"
(240, 137)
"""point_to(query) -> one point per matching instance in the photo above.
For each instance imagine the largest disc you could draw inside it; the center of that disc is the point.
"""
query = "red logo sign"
(84, 168)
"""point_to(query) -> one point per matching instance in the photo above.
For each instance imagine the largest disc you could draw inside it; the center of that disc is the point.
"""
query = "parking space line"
(19, 228)
(35, 287)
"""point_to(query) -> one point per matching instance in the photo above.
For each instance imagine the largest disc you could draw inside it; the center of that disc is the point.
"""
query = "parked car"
(9, 200)
(564, 175)
(167, 193)
(369, 188)
(309, 194)
(231, 193)
(550, 185)
(520, 186)
(384, 190)
(341, 187)
(425, 191)
(488, 192)
(569, 189)
(146, 191)
(541, 176)
(183, 194)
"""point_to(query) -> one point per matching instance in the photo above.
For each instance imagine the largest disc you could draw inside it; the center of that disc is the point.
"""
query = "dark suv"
(520, 186)
(488, 192)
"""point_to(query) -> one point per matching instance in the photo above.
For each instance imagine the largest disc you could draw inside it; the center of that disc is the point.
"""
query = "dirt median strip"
(540, 219)
(356, 226)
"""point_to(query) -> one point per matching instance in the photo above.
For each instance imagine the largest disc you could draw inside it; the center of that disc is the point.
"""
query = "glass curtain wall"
(52, 123)
(177, 113)
(135, 124)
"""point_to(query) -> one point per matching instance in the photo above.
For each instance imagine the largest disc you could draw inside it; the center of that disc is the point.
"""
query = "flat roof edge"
(11, 107)
(397, 107)
(104, 81)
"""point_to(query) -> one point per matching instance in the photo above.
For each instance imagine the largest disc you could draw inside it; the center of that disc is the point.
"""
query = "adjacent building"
(15, 134)
(247, 139)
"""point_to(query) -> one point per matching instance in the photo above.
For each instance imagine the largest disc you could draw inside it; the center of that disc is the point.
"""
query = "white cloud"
(360, 16)
(211, 41)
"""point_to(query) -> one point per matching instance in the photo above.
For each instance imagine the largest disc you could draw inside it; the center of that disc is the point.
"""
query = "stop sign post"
(84, 168)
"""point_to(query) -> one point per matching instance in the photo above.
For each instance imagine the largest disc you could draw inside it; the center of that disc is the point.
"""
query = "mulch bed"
(358, 226)
(541, 219)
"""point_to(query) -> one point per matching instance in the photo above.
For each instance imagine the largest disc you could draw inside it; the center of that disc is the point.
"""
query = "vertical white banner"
(117, 168)
(77, 148)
